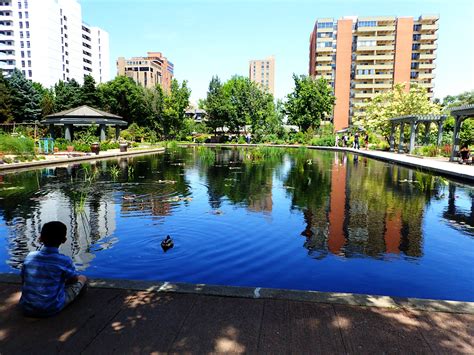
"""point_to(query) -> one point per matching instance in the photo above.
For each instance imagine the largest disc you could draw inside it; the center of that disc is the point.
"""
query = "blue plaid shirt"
(44, 275)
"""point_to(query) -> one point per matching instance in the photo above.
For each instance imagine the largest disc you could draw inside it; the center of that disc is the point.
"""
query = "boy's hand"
(77, 278)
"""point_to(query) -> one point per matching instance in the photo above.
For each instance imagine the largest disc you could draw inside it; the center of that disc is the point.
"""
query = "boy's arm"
(71, 275)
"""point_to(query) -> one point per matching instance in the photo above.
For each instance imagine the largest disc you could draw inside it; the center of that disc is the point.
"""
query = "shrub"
(241, 140)
(324, 141)
(17, 145)
(427, 151)
(383, 146)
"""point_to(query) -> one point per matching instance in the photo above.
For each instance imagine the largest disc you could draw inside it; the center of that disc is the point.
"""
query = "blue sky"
(219, 37)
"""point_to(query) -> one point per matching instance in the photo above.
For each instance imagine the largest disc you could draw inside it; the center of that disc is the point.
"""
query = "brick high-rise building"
(263, 73)
(361, 57)
(148, 71)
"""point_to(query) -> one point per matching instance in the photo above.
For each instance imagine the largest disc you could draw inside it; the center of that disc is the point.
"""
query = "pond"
(266, 217)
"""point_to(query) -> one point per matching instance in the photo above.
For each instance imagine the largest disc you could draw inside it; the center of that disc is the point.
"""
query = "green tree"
(215, 105)
(67, 95)
(174, 107)
(394, 103)
(6, 114)
(467, 128)
(89, 93)
(123, 97)
(24, 98)
(311, 101)
(154, 101)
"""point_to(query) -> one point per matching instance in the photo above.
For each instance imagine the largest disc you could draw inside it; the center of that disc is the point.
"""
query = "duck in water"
(167, 243)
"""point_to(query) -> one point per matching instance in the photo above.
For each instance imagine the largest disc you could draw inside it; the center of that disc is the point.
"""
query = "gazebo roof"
(464, 111)
(84, 115)
(418, 118)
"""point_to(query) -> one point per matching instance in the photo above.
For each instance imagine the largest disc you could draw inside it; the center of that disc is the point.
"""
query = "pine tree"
(89, 93)
(5, 100)
(25, 98)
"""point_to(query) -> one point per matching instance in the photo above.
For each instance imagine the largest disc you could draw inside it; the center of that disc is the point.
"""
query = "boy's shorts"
(72, 291)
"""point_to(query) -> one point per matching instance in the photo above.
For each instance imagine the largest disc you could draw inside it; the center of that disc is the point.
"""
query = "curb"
(61, 161)
(351, 299)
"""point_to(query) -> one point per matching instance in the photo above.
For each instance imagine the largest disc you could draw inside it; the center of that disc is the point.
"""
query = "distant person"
(337, 141)
(345, 140)
(366, 141)
(356, 141)
(49, 279)
(464, 154)
(247, 138)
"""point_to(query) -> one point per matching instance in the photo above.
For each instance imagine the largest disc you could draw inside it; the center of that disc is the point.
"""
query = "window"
(371, 43)
(19, 6)
(416, 37)
(23, 63)
(29, 64)
(20, 15)
(26, 14)
(415, 56)
(28, 44)
(413, 75)
(27, 34)
(21, 34)
(415, 46)
(21, 24)
(22, 54)
(22, 44)
(414, 65)
(28, 54)
(325, 25)
(367, 23)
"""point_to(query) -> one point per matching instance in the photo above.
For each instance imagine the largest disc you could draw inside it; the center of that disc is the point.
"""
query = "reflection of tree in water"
(459, 218)
(244, 176)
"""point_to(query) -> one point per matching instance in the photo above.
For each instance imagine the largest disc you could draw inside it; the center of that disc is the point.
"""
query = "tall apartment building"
(49, 42)
(148, 71)
(263, 72)
(361, 57)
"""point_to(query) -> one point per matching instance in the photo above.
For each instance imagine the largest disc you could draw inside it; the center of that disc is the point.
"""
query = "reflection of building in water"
(459, 218)
(86, 227)
(147, 205)
(369, 212)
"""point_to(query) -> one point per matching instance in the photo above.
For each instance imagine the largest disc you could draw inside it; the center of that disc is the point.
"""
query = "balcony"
(7, 47)
(427, 56)
(428, 37)
(423, 76)
(374, 66)
(374, 57)
(324, 49)
(427, 66)
(6, 27)
(5, 66)
(364, 95)
(385, 48)
(327, 77)
(323, 59)
(432, 27)
(375, 86)
(373, 76)
(323, 68)
(428, 46)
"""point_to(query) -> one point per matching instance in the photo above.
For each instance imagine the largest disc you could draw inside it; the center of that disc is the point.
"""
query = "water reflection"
(350, 206)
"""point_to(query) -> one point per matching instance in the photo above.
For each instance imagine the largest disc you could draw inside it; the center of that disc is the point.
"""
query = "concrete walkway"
(63, 158)
(118, 320)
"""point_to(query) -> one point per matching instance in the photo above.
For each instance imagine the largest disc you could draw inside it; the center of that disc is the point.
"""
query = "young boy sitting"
(50, 280)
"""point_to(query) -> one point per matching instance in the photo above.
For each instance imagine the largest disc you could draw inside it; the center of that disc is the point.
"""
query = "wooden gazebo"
(460, 113)
(83, 116)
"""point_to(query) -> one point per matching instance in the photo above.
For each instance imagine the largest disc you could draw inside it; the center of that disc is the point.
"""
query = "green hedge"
(17, 145)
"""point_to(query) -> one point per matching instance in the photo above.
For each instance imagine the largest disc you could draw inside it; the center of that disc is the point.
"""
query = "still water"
(296, 219)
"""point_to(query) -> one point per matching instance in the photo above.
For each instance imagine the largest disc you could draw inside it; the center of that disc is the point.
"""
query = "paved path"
(64, 159)
(110, 320)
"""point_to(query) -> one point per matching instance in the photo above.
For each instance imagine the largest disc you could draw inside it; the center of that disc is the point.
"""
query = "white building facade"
(48, 41)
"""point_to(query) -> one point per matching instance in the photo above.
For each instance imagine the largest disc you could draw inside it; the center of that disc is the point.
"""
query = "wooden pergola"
(414, 121)
(460, 113)
(83, 116)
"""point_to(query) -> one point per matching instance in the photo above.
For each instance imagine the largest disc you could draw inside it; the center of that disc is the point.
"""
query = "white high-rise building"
(48, 41)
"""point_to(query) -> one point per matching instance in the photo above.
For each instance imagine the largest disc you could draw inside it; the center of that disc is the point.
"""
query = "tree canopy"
(311, 101)
(394, 103)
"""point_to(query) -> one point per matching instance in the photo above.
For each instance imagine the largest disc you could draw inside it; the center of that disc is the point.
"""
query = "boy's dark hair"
(53, 234)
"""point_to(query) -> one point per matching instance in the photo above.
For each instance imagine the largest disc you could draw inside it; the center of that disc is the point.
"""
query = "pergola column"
(400, 143)
(117, 132)
(456, 137)
(68, 132)
(413, 129)
(392, 138)
(440, 133)
(427, 132)
(51, 130)
(102, 132)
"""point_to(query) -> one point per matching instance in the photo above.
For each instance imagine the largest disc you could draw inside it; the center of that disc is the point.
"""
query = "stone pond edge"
(351, 299)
